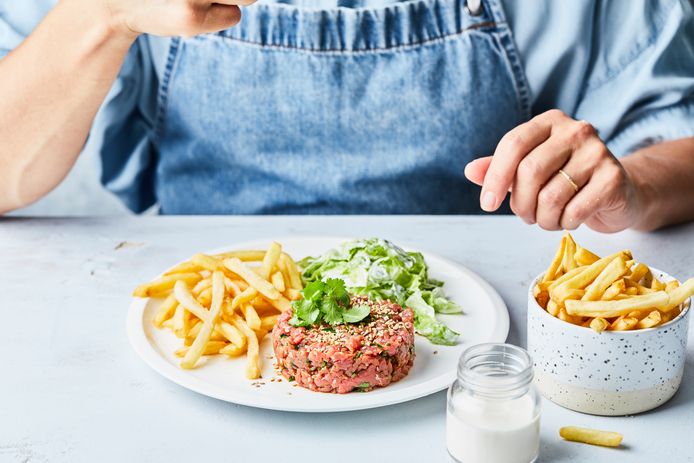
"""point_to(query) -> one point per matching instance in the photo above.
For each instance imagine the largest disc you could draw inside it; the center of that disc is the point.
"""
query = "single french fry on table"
(591, 436)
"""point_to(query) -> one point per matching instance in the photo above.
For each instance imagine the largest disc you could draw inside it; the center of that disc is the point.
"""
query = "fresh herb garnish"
(291, 378)
(362, 386)
(327, 301)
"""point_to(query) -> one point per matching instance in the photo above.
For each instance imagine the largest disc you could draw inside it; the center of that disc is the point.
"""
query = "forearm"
(50, 90)
(664, 175)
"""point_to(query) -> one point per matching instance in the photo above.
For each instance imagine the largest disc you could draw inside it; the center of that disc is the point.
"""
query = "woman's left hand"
(560, 175)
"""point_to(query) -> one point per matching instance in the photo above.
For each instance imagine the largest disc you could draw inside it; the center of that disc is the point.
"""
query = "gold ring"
(569, 179)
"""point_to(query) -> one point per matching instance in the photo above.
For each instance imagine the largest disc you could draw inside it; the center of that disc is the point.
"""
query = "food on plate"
(611, 293)
(225, 303)
(382, 271)
(591, 436)
(336, 343)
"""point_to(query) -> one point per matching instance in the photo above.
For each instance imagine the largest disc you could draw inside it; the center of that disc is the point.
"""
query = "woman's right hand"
(185, 18)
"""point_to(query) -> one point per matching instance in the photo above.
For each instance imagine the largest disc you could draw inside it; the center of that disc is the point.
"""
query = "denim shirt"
(375, 106)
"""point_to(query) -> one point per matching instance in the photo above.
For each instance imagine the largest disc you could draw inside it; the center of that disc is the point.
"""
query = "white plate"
(485, 320)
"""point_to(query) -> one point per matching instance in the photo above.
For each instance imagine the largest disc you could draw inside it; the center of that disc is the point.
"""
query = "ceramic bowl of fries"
(607, 335)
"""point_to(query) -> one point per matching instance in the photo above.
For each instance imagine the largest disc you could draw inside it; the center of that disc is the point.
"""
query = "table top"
(73, 390)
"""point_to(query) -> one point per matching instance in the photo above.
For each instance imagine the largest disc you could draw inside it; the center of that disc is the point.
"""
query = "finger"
(220, 17)
(598, 198)
(512, 148)
(476, 170)
(534, 171)
(558, 191)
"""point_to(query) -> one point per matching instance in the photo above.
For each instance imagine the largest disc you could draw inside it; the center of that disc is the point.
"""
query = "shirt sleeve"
(122, 133)
(626, 67)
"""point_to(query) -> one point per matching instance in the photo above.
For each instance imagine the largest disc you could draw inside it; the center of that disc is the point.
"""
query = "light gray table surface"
(73, 390)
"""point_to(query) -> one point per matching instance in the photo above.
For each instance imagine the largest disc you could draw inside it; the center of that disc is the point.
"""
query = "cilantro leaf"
(356, 313)
(327, 302)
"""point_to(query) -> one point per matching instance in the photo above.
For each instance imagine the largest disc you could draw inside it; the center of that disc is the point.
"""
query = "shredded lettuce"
(380, 270)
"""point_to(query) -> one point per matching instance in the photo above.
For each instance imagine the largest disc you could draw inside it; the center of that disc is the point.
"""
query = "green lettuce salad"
(380, 270)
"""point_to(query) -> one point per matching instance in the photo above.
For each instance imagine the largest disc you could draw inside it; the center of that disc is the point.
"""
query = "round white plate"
(485, 320)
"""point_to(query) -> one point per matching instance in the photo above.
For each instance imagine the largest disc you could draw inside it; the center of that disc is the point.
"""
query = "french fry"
(293, 294)
(262, 286)
(205, 297)
(233, 350)
(638, 272)
(231, 286)
(657, 285)
(207, 262)
(270, 260)
(617, 307)
(615, 289)
(568, 275)
(211, 348)
(654, 318)
(591, 436)
(624, 324)
(292, 272)
(612, 271)
(555, 265)
(244, 297)
(166, 311)
(201, 286)
(599, 324)
(186, 299)
(233, 334)
(269, 322)
(163, 284)
(282, 304)
(278, 281)
(253, 366)
(671, 285)
(569, 318)
(178, 320)
(541, 296)
(553, 308)
(631, 291)
(183, 267)
(584, 256)
(679, 294)
(568, 263)
(243, 256)
(198, 347)
(251, 316)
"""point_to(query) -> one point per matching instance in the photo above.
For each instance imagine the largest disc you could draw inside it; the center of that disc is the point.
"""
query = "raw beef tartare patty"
(354, 356)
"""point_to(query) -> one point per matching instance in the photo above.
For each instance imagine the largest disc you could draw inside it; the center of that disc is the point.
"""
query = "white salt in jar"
(493, 411)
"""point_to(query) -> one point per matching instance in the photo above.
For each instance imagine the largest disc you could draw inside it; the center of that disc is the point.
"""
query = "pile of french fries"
(609, 293)
(225, 303)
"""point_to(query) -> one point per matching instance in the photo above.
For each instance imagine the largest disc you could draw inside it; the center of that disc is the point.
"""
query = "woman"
(359, 106)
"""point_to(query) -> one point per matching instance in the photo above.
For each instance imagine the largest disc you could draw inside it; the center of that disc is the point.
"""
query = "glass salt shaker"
(493, 413)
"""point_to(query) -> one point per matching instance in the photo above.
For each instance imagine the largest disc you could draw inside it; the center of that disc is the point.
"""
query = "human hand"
(594, 187)
(185, 18)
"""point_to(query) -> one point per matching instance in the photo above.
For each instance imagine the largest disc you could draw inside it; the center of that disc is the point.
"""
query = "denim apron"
(343, 111)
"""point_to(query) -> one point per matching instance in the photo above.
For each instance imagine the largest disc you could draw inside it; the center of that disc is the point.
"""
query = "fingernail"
(488, 202)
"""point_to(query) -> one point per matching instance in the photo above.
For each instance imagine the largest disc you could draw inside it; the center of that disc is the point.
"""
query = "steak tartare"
(344, 358)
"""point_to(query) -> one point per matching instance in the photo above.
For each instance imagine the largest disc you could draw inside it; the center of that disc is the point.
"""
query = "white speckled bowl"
(608, 373)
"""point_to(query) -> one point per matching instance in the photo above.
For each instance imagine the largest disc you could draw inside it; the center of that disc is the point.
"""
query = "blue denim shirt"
(625, 66)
